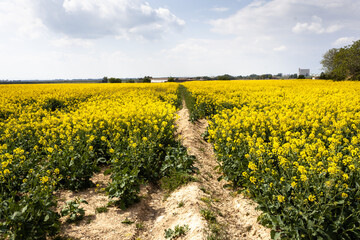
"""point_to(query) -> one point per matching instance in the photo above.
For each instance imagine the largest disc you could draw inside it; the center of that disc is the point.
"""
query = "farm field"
(57, 136)
(292, 146)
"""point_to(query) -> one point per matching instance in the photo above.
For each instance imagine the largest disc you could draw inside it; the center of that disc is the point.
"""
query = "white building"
(159, 80)
(305, 72)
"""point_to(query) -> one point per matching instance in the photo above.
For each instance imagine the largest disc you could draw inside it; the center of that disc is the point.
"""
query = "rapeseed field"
(293, 146)
(58, 136)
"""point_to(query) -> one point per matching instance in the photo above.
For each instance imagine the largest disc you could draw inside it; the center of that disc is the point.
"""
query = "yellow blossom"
(44, 179)
(280, 198)
(303, 178)
(311, 198)
(252, 166)
(252, 179)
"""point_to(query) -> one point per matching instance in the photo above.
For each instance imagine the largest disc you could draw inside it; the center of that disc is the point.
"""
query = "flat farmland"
(189, 160)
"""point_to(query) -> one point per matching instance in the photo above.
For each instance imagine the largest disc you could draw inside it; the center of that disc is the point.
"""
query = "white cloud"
(277, 17)
(68, 42)
(340, 42)
(18, 19)
(293, 29)
(98, 18)
(316, 26)
(280, 48)
(220, 9)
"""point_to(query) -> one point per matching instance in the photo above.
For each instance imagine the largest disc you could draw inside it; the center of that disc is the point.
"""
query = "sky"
(68, 39)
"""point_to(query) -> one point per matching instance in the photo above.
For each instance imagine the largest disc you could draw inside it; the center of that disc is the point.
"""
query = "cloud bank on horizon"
(129, 38)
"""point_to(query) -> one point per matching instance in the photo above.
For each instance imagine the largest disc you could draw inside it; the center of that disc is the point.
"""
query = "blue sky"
(49, 39)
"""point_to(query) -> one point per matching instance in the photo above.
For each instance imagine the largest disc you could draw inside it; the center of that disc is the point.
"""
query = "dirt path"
(235, 213)
(208, 209)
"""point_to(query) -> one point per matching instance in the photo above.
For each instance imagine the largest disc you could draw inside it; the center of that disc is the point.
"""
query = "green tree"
(292, 76)
(171, 79)
(340, 65)
(323, 76)
(266, 76)
(343, 63)
(146, 79)
(114, 80)
(301, 76)
(354, 60)
(328, 60)
(225, 77)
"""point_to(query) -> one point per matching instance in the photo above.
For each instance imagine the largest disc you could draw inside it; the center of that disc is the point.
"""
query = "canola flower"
(280, 198)
(55, 136)
(299, 140)
(62, 120)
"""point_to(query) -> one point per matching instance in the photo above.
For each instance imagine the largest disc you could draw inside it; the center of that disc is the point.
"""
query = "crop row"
(58, 136)
(293, 146)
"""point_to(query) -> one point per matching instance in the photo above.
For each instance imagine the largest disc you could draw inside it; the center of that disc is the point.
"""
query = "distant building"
(305, 72)
(159, 80)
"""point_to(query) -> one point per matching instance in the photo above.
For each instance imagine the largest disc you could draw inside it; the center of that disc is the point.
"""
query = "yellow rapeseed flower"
(311, 198)
(303, 178)
(253, 179)
(280, 198)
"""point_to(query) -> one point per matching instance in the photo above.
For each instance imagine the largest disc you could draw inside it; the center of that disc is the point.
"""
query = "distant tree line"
(90, 80)
(114, 80)
(247, 77)
(119, 80)
(171, 79)
(147, 79)
(342, 63)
